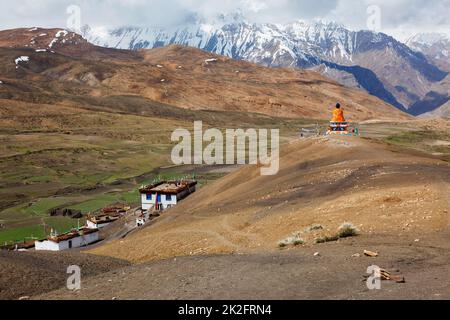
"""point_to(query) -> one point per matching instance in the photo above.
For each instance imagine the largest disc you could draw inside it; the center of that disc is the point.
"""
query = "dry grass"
(347, 230)
(294, 240)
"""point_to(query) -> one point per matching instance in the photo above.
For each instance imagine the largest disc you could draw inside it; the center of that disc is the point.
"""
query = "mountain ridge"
(406, 74)
(178, 76)
(435, 46)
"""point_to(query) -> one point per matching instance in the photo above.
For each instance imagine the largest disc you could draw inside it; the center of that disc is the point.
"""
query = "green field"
(22, 220)
(430, 141)
(35, 232)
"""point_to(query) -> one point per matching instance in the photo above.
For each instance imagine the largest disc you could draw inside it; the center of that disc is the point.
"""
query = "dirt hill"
(336, 273)
(195, 79)
(32, 273)
(58, 41)
(56, 66)
(322, 181)
(223, 241)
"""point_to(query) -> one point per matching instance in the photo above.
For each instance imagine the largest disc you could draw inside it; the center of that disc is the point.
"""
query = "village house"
(70, 240)
(166, 194)
(101, 221)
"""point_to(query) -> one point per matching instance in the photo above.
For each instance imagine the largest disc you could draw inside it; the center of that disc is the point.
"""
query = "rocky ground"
(25, 274)
(329, 271)
(223, 241)
(322, 181)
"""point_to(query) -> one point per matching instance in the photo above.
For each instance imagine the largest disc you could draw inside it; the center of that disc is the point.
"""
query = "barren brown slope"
(325, 181)
(279, 275)
(58, 41)
(192, 78)
(32, 273)
(63, 67)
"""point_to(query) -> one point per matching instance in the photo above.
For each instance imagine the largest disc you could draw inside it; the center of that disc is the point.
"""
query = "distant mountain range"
(435, 46)
(57, 67)
(408, 76)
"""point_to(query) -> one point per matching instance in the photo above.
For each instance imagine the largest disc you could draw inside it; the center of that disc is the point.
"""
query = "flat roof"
(169, 187)
(72, 235)
(116, 208)
(104, 218)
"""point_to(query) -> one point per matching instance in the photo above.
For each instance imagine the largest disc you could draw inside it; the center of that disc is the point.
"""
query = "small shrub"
(347, 230)
(314, 227)
(327, 239)
(294, 240)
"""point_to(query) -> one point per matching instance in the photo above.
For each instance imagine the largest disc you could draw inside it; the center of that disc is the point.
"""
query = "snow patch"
(22, 59)
(41, 50)
(207, 61)
(57, 36)
(207, 28)
(52, 42)
(61, 32)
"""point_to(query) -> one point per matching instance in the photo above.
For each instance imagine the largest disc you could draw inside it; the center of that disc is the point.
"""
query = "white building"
(142, 219)
(101, 221)
(73, 239)
(166, 194)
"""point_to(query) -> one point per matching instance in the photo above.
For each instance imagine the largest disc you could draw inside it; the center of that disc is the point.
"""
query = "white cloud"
(254, 5)
(399, 17)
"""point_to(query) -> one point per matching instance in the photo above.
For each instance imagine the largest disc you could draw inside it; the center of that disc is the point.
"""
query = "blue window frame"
(149, 197)
(168, 197)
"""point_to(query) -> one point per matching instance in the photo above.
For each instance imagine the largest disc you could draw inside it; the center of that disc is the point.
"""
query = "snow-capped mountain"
(435, 46)
(372, 61)
(295, 44)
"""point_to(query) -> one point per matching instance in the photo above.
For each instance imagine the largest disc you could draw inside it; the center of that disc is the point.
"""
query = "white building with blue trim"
(166, 194)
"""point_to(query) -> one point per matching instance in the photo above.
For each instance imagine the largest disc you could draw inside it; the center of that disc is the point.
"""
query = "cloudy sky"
(400, 18)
